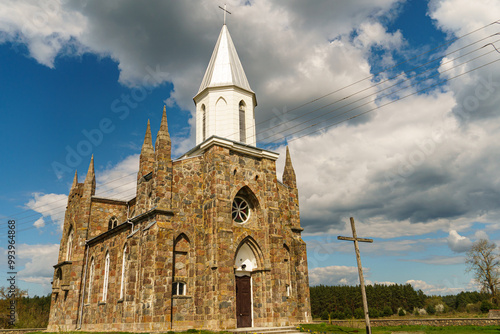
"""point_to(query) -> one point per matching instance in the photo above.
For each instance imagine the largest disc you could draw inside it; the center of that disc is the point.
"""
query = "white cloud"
(458, 243)
(335, 275)
(118, 181)
(414, 167)
(49, 205)
(39, 223)
(46, 27)
(441, 289)
(38, 264)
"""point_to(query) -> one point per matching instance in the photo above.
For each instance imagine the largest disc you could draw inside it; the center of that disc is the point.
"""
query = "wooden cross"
(360, 271)
(225, 11)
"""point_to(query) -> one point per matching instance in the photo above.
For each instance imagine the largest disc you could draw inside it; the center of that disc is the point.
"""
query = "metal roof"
(224, 68)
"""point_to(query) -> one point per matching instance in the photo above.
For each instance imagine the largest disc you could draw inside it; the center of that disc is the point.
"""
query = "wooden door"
(243, 302)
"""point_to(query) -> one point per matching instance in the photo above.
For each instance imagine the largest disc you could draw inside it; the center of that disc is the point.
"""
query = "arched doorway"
(245, 262)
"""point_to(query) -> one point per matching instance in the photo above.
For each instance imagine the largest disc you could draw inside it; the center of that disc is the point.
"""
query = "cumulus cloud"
(38, 264)
(39, 223)
(458, 243)
(447, 288)
(118, 181)
(335, 275)
(48, 205)
(423, 164)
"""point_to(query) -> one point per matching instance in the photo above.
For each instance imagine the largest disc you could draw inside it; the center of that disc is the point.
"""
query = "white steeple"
(225, 102)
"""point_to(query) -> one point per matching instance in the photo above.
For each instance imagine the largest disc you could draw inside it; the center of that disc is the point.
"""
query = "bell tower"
(225, 102)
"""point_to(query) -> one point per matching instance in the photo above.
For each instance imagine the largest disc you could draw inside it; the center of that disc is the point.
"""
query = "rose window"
(240, 210)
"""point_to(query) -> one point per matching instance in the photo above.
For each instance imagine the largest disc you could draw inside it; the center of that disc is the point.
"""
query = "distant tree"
(483, 261)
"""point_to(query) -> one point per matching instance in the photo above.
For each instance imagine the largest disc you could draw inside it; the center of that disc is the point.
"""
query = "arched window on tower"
(106, 278)
(91, 280)
(243, 130)
(204, 122)
(112, 223)
(124, 268)
(69, 244)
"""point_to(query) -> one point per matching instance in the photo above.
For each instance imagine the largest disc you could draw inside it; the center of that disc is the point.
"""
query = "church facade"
(212, 240)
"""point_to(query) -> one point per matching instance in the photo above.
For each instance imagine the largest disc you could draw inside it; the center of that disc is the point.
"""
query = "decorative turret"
(289, 178)
(163, 165)
(75, 181)
(225, 102)
(147, 158)
(89, 184)
(163, 145)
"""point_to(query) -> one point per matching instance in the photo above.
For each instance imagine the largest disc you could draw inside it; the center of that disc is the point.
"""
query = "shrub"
(373, 312)
(387, 312)
(485, 306)
(325, 315)
(401, 312)
(358, 313)
(430, 309)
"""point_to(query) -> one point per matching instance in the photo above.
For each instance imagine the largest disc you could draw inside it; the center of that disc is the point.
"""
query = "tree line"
(344, 302)
(30, 312)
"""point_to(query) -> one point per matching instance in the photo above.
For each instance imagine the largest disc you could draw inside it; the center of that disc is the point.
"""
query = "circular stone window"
(240, 210)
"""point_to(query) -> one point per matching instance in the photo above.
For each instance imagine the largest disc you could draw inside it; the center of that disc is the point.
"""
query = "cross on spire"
(225, 11)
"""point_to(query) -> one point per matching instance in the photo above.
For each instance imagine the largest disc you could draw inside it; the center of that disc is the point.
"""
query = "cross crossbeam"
(355, 239)
(225, 11)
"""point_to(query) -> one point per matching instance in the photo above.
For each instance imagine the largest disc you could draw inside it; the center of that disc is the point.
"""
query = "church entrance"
(246, 263)
(243, 301)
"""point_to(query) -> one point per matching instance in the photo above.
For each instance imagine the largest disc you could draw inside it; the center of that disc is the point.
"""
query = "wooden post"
(360, 271)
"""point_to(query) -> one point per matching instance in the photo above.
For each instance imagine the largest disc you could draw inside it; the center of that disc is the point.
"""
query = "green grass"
(332, 329)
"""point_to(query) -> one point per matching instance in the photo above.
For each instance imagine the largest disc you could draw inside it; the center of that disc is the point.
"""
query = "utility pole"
(360, 271)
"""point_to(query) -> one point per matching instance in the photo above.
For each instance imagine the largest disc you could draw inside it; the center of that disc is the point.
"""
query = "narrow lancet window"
(122, 281)
(106, 278)
(243, 130)
(204, 125)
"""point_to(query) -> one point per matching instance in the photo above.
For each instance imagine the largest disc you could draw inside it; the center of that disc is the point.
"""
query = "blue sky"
(419, 175)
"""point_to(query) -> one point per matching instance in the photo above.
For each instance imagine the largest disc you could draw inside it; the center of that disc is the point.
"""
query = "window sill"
(119, 301)
(101, 303)
(181, 297)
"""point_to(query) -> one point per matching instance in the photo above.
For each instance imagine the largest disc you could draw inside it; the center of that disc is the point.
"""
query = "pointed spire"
(163, 145)
(147, 146)
(89, 184)
(75, 180)
(147, 157)
(289, 177)
(224, 68)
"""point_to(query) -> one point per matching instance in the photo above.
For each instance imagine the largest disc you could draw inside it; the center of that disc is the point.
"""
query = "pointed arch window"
(112, 223)
(91, 280)
(243, 129)
(106, 278)
(204, 121)
(124, 268)
(69, 244)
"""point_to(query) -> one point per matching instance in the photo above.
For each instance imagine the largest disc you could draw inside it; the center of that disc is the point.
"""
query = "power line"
(381, 106)
(377, 84)
(373, 94)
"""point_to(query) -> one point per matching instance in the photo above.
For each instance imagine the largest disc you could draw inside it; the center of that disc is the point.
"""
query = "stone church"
(212, 240)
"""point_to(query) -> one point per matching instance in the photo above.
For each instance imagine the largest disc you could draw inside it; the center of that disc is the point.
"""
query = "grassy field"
(327, 329)
(331, 329)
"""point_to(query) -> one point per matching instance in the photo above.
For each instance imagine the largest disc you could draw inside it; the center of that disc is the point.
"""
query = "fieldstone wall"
(442, 322)
(181, 230)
